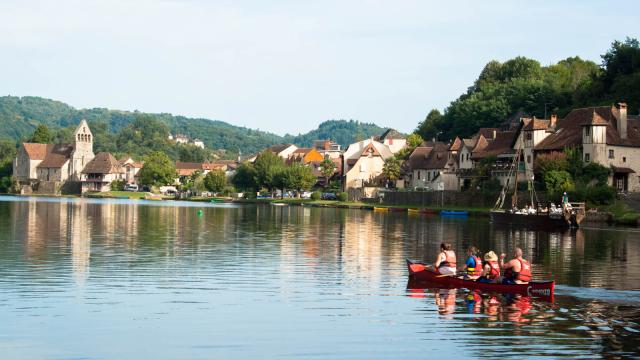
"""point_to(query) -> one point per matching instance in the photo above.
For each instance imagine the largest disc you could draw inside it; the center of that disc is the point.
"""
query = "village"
(390, 162)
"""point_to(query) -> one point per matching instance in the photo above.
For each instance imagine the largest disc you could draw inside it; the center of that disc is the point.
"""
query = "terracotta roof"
(278, 148)
(36, 151)
(488, 133)
(57, 155)
(456, 145)
(536, 124)
(469, 143)
(189, 165)
(103, 163)
(427, 157)
(569, 131)
(502, 144)
(391, 134)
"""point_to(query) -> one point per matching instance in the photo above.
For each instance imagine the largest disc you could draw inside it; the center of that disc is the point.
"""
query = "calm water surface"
(118, 279)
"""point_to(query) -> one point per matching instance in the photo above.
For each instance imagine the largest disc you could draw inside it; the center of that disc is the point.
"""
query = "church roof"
(56, 155)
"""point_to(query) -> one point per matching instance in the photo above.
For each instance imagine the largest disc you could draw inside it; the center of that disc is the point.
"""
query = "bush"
(343, 196)
(8, 184)
(117, 185)
(316, 195)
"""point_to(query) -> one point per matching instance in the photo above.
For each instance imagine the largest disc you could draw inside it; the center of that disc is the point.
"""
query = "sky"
(286, 66)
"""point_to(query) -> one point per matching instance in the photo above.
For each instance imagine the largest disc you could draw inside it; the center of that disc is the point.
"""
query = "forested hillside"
(340, 131)
(522, 84)
(19, 116)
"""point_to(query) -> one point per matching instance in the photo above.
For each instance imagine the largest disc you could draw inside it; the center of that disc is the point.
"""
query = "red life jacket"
(525, 272)
(477, 270)
(449, 261)
(495, 270)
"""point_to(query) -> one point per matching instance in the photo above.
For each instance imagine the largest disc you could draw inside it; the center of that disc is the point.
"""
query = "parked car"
(306, 195)
(131, 187)
(329, 196)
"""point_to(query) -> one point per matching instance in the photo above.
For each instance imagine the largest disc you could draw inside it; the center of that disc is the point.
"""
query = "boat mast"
(514, 199)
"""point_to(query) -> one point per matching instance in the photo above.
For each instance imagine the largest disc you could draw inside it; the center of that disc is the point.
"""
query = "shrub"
(343, 196)
(117, 185)
(8, 184)
(316, 195)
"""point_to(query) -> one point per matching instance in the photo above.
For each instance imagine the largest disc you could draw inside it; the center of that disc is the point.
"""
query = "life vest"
(525, 272)
(449, 261)
(477, 270)
(494, 271)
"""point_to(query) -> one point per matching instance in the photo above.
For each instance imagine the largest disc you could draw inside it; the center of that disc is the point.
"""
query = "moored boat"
(453, 213)
(377, 208)
(419, 273)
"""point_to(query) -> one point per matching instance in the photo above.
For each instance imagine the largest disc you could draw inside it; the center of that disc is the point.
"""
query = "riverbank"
(618, 213)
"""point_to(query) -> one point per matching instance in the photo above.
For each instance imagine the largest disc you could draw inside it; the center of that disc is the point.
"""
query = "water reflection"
(330, 281)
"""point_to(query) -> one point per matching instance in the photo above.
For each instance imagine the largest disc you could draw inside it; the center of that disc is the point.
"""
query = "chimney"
(553, 121)
(621, 120)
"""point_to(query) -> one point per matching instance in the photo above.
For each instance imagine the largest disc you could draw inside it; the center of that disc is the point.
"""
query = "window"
(529, 136)
(624, 159)
(611, 156)
(528, 159)
(587, 158)
(363, 167)
(418, 174)
(587, 131)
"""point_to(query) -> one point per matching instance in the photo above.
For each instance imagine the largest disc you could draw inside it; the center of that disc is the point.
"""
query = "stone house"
(432, 167)
(100, 172)
(501, 153)
(607, 135)
(37, 163)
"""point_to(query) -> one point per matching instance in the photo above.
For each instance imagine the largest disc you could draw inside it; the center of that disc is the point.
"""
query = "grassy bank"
(622, 213)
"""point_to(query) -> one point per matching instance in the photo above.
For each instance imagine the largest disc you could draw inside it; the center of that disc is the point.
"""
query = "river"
(134, 279)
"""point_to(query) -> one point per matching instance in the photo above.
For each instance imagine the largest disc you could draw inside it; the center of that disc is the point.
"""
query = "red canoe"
(419, 273)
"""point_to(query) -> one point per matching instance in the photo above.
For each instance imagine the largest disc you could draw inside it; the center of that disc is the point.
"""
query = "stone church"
(46, 167)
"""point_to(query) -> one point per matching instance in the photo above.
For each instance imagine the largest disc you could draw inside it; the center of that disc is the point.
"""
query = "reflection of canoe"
(453, 213)
(375, 208)
(217, 200)
(418, 274)
(422, 211)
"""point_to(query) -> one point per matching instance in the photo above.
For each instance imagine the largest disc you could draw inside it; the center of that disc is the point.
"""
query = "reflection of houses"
(101, 172)
(46, 167)
(607, 136)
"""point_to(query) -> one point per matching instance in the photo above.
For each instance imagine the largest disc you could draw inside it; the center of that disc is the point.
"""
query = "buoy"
(199, 212)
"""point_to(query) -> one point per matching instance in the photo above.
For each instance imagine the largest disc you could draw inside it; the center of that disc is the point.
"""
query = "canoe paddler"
(445, 263)
(491, 269)
(517, 270)
(473, 266)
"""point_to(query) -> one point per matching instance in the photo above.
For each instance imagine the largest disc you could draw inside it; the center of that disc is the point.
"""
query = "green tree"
(558, 181)
(431, 125)
(158, 170)
(267, 166)
(245, 178)
(215, 181)
(327, 168)
(391, 169)
(414, 140)
(299, 177)
(41, 135)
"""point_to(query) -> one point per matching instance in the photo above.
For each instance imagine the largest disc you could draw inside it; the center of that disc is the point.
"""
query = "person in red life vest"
(517, 270)
(473, 266)
(445, 263)
(491, 269)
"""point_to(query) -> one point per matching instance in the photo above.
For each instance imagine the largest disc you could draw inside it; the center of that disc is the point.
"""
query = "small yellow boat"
(375, 208)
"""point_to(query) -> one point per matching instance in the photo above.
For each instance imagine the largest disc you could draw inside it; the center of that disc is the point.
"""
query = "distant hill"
(342, 132)
(19, 116)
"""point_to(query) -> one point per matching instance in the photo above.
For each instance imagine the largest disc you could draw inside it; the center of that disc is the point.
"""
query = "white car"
(131, 187)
